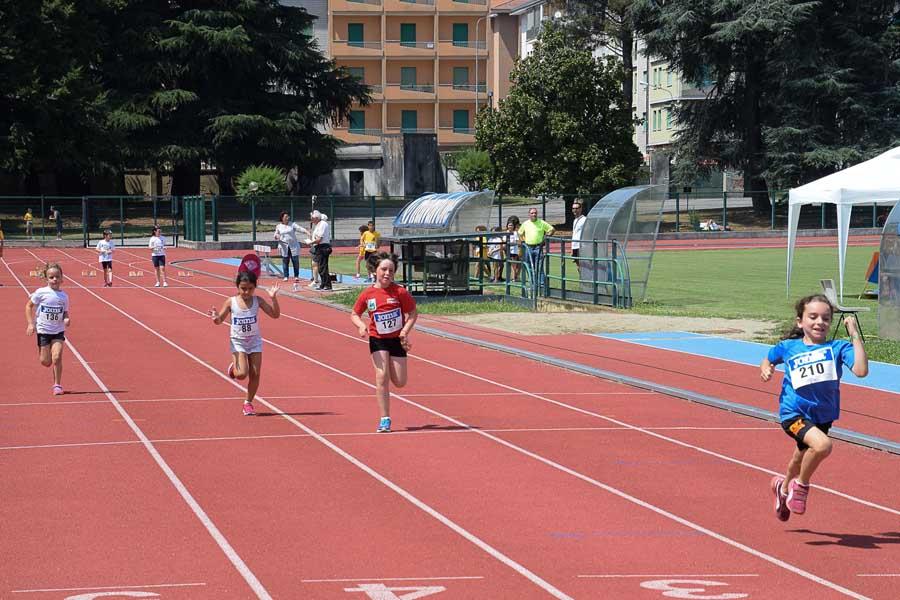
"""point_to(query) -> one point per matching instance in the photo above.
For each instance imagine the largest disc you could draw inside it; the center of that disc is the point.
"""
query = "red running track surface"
(505, 478)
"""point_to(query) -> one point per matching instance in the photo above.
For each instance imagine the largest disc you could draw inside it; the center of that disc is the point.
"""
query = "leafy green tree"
(260, 180)
(53, 107)
(228, 82)
(564, 128)
(474, 169)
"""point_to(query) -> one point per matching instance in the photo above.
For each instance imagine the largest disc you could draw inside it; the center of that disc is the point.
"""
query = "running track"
(505, 478)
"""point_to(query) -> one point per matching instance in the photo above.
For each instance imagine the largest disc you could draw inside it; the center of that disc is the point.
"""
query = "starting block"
(185, 273)
(89, 273)
(34, 273)
(135, 273)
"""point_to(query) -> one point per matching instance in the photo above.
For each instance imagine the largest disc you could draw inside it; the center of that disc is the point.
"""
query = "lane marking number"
(670, 588)
(379, 591)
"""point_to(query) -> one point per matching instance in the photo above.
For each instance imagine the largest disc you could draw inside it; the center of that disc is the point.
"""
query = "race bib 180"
(388, 322)
(812, 367)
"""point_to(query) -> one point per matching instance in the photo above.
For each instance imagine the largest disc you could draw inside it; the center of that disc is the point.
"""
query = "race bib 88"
(812, 367)
(243, 327)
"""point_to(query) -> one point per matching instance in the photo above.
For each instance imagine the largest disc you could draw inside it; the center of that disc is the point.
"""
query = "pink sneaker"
(781, 510)
(796, 499)
(57, 389)
(248, 409)
(230, 370)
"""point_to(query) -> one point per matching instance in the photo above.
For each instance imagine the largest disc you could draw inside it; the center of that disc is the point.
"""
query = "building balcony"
(365, 49)
(396, 48)
(415, 93)
(398, 130)
(451, 136)
(463, 49)
(376, 91)
(357, 136)
(356, 6)
(464, 92)
(462, 6)
(409, 6)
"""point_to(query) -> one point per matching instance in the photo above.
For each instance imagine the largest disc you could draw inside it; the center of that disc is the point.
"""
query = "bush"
(271, 182)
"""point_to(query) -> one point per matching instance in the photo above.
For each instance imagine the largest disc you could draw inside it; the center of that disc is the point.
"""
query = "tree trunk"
(627, 41)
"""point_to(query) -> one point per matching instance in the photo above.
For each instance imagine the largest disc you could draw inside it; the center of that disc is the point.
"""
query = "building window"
(668, 77)
(532, 23)
(460, 78)
(357, 120)
(357, 73)
(409, 121)
(668, 119)
(408, 35)
(407, 78)
(461, 35)
(355, 34)
(461, 121)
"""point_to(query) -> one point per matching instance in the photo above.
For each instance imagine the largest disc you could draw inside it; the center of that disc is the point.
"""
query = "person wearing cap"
(320, 243)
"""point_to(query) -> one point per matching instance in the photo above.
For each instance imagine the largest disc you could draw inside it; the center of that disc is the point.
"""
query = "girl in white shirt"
(158, 255)
(47, 312)
(288, 244)
(246, 338)
(105, 249)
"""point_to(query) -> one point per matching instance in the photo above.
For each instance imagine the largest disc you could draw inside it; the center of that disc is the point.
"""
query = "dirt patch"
(545, 323)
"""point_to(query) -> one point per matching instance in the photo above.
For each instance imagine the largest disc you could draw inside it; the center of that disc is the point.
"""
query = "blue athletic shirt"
(812, 376)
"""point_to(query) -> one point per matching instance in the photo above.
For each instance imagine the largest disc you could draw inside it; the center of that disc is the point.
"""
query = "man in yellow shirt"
(532, 233)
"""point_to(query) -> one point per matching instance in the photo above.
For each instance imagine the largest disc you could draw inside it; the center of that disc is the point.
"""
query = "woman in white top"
(158, 255)
(246, 339)
(105, 249)
(47, 312)
(288, 244)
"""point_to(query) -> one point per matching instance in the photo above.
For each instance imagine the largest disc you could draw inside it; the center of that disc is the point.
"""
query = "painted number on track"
(379, 591)
(94, 595)
(689, 588)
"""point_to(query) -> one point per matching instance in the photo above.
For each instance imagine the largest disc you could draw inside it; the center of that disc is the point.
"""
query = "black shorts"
(797, 427)
(575, 252)
(158, 261)
(47, 339)
(392, 345)
(368, 254)
(106, 264)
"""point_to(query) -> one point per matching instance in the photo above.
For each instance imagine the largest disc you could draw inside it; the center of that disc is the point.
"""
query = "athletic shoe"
(796, 498)
(156, 284)
(57, 389)
(781, 510)
(230, 370)
(285, 279)
(248, 409)
(312, 284)
(384, 425)
(166, 284)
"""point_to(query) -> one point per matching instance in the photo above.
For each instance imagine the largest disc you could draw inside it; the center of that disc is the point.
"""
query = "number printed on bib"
(243, 327)
(51, 314)
(371, 247)
(812, 367)
(388, 322)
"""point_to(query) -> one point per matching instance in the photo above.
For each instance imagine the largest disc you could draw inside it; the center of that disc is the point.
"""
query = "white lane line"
(434, 513)
(462, 430)
(355, 579)
(545, 398)
(612, 490)
(668, 576)
(109, 587)
(878, 574)
(217, 535)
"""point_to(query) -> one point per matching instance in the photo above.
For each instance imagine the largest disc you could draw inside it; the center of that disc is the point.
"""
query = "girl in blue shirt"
(810, 394)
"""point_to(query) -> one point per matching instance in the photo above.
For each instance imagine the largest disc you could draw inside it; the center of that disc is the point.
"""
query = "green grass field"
(736, 284)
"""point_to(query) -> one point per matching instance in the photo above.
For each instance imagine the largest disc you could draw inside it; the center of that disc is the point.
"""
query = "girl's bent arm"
(860, 366)
(220, 315)
(360, 324)
(410, 322)
(29, 317)
(766, 369)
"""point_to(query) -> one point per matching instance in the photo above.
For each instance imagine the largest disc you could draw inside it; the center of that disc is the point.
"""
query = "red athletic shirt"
(386, 309)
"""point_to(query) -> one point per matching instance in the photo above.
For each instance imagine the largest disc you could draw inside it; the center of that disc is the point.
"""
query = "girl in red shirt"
(392, 315)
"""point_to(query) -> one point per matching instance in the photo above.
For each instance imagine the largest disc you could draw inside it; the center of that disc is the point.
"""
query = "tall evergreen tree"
(564, 128)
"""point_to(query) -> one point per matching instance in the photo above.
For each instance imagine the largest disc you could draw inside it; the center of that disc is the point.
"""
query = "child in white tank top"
(242, 311)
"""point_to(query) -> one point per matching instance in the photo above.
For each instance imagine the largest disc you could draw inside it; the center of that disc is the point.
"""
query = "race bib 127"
(388, 322)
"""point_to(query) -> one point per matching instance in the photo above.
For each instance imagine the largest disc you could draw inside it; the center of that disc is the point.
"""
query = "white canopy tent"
(876, 181)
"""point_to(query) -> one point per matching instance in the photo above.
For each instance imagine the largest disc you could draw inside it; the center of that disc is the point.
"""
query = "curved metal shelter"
(889, 277)
(457, 212)
(615, 219)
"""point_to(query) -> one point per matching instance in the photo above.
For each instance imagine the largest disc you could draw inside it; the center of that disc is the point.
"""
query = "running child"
(362, 248)
(392, 315)
(157, 247)
(47, 312)
(246, 339)
(810, 394)
(105, 249)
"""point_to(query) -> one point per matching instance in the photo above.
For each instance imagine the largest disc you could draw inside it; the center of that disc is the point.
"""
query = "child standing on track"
(246, 339)
(157, 247)
(392, 315)
(810, 394)
(369, 243)
(105, 249)
(47, 312)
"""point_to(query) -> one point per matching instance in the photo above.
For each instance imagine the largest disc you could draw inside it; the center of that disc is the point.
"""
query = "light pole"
(477, 40)
(647, 87)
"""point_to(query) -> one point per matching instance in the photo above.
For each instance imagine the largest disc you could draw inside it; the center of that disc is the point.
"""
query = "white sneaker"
(285, 279)
(156, 284)
(166, 284)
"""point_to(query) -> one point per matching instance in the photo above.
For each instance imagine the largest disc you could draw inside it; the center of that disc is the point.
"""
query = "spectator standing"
(512, 228)
(533, 231)
(29, 224)
(57, 218)
(577, 229)
(320, 242)
(288, 244)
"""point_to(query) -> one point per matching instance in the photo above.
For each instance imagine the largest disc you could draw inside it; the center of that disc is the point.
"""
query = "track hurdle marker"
(264, 252)
(185, 273)
(89, 273)
(34, 273)
(135, 273)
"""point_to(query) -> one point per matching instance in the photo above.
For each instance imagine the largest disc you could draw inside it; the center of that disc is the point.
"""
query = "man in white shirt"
(320, 242)
(577, 228)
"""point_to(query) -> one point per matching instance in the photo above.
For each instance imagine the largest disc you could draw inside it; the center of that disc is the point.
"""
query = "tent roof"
(875, 181)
